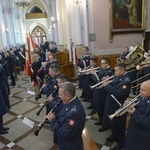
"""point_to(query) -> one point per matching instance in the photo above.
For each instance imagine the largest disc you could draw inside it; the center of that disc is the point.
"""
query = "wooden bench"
(88, 142)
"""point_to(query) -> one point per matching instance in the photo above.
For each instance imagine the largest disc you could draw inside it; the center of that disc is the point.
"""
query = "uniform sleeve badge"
(71, 122)
(124, 86)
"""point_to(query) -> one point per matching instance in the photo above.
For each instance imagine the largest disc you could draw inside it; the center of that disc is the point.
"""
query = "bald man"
(138, 135)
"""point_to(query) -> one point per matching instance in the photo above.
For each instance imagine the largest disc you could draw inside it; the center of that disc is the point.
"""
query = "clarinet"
(53, 94)
(46, 78)
(36, 133)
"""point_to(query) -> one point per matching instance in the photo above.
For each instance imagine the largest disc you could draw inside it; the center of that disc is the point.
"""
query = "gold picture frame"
(127, 16)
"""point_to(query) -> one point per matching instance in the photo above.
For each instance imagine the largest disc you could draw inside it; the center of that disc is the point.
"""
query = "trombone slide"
(116, 100)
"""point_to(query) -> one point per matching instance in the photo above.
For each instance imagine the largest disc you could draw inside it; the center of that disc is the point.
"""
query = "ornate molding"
(7, 10)
(108, 51)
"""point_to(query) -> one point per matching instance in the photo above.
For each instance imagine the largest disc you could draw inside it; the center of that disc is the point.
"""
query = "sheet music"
(28, 122)
(31, 92)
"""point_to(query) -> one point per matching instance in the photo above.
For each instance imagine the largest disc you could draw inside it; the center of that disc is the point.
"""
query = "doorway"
(147, 41)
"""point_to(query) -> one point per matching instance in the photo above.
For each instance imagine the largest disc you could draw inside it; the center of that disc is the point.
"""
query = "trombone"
(121, 111)
(138, 67)
(99, 84)
(138, 80)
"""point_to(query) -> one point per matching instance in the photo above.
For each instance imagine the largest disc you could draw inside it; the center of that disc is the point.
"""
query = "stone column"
(3, 38)
(85, 23)
(54, 24)
(68, 35)
(60, 22)
(76, 28)
(8, 27)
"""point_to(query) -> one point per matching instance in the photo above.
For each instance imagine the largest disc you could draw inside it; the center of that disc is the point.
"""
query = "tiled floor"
(21, 136)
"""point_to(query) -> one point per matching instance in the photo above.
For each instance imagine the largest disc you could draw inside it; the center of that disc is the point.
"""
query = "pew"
(66, 67)
(88, 142)
(112, 58)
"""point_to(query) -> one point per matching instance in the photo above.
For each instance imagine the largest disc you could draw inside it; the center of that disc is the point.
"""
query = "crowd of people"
(107, 91)
(12, 58)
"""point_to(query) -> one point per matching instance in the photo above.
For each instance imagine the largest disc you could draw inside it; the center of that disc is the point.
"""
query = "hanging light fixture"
(77, 2)
(54, 20)
(23, 3)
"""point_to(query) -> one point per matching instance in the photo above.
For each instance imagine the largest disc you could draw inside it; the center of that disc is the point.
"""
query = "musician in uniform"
(144, 71)
(120, 89)
(54, 97)
(48, 88)
(87, 91)
(50, 60)
(4, 101)
(99, 94)
(4, 63)
(68, 124)
(54, 73)
(125, 53)
(138, 135)
(83, 63)
(45, 65)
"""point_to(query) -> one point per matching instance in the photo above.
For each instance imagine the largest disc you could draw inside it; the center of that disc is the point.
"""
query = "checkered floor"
(23, 105)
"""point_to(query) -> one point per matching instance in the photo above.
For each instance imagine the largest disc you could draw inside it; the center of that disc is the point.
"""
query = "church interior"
(68, 25)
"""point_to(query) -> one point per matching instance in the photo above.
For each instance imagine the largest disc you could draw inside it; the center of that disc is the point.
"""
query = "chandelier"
(77, 2)
(23, 3)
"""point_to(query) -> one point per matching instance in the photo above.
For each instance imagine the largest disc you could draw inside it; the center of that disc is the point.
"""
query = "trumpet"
(87, 70)
(46, 120)
(99, 84)
(121, 111)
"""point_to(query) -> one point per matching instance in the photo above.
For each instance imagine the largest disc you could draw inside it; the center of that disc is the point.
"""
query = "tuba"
(134, 57)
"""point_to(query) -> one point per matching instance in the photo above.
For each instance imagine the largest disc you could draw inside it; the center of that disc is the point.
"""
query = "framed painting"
(127, 16)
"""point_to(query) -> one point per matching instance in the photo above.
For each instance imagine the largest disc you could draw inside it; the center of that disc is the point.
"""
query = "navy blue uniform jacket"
(86, 58)
(48, 89)
(138, 135)
(4, 101)
(120, 88)
(68, 126)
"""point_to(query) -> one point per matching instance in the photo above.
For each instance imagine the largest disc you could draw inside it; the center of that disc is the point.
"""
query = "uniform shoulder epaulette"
(127, 79)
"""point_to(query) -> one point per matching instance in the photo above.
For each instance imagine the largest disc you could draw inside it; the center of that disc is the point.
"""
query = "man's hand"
(130, 109)
(105, 82)
(50, 116)
(50, 98)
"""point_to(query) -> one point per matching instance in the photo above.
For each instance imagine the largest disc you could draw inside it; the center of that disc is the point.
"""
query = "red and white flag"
(28, 57)
(32, 44)
(28, 62)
